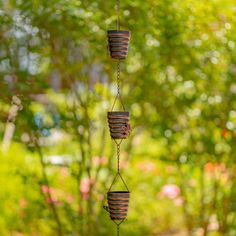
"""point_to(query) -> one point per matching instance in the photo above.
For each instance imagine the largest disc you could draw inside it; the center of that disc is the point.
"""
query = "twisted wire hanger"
(118, 95)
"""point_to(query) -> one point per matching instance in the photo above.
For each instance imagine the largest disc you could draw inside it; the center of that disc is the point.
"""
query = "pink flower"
(58, 196)
(85, 186)
(212, 167)
(63, 172)
(124, 164)
(23, 202)
(170, 169)
(147, 166)
(170, 191)
(53, 192)
(69, 199)
(51, 201)
(100, 197)
(178, 201)
(97, 160)
(45, 188)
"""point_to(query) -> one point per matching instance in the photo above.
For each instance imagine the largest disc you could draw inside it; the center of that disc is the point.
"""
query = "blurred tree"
(179, 84)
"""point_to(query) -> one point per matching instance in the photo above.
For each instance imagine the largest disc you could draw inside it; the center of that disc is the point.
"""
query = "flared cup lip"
(118, 31)
(118, 113)
(118, 192)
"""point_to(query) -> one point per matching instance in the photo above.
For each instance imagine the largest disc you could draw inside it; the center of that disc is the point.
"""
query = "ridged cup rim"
(118, 31)
(111, 192)
(118, 113)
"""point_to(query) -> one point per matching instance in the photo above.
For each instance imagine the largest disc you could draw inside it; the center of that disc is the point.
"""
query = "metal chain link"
(118, 157)
(118, 230)
(118, 95)
(118, 85)
(118, 78)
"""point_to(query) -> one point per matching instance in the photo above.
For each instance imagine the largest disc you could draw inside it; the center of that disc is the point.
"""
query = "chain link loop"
(118, 230)
(118, 158)
(118, 95)
(118, 78)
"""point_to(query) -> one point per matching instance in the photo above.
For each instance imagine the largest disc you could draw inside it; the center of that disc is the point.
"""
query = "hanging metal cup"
(118, 204)
(119, 124)
(118, 201)
(118, 42)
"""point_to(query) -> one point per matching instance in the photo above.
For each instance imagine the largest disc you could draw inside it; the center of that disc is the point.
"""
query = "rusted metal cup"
(118, 41)
(119, 124)
(118, 204)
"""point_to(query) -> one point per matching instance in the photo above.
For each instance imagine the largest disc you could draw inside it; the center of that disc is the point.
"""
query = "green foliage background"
(57, 82)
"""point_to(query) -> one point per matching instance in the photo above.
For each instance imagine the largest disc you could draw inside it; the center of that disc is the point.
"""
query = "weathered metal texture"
(118, 204)
(118, 41)
(119, 124)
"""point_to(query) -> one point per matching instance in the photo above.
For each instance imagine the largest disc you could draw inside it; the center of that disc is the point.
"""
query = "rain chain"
(118, 201)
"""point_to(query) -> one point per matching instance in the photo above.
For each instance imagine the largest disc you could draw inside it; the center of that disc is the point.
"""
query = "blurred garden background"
(56, 84)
